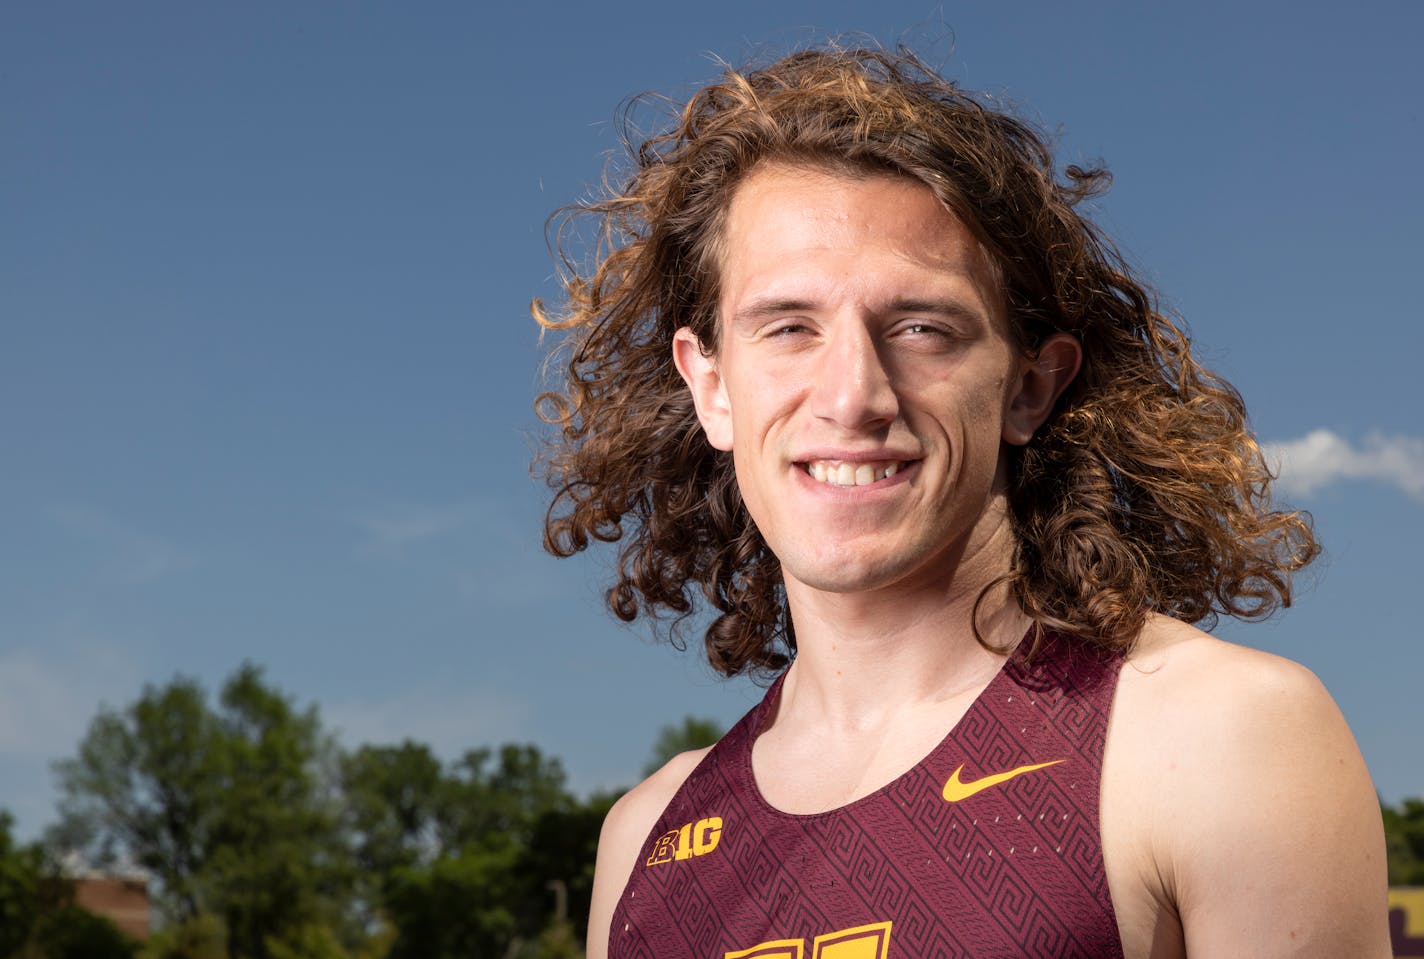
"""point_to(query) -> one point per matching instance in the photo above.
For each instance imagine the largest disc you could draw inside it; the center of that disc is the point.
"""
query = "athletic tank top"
(989, 847)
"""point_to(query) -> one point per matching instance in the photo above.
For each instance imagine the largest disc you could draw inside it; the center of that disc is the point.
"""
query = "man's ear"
(1042, 379)
(709, 393)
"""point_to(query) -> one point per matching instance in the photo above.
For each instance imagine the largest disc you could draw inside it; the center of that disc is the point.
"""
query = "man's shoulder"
(627, 824)
(1230, 778)
(1182, 680)
(633, 816)
(1191, 707)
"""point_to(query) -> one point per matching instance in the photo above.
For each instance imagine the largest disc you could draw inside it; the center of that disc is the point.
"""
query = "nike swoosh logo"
(955, 790)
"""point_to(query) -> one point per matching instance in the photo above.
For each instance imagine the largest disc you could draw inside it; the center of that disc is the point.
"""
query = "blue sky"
(266, 365)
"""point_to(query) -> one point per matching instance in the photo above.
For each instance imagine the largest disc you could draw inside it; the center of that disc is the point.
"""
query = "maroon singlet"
(989, 860)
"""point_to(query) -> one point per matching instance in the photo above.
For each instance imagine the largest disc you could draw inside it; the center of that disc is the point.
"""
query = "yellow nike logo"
(954, 790)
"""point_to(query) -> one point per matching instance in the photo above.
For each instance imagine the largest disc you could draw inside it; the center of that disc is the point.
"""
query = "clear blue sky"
(266, 366)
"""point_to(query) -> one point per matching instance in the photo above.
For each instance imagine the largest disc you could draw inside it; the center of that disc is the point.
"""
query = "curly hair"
(1144, 492)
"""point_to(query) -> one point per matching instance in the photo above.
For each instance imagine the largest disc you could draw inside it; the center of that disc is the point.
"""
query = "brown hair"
(1144, 492)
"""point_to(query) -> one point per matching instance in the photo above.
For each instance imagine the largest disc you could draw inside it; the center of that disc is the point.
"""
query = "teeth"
(851, 474)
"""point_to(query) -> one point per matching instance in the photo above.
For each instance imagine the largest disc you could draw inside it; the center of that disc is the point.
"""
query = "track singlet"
(988, 847)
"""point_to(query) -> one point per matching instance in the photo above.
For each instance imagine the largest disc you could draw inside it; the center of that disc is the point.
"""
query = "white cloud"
(1322, 458)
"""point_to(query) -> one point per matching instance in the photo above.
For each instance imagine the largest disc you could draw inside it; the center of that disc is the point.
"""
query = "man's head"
(866, 380)
(1136, 486)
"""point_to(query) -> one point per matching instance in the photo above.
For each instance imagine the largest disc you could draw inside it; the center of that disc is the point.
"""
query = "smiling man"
(857, 374)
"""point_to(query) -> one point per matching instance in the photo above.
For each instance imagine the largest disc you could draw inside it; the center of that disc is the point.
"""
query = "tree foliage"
(27, 889)
(266, 841)
(72, 933)
(38, 918)
(202, 937)
(692, 733)
(474, 859)
(226, 806)
(1404, 842)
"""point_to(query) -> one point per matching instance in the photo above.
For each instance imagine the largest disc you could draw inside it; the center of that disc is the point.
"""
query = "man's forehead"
(786, 222)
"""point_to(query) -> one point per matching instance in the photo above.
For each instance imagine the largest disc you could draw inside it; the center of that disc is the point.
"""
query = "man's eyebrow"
(938, 307)
(763, 309)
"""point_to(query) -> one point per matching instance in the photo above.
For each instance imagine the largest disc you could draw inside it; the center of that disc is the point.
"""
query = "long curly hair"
(1144, 492)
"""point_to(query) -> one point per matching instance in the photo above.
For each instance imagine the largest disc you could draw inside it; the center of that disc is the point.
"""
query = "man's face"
(865, 379)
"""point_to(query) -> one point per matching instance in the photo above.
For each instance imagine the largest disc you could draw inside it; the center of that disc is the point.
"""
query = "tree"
(74, 933)
(561, 850)
(276, 865)
(202, 937)
(230, 809)
(265, 841)
(1404, 842)
(145, 787)
(693, 733)
(496, 799)
(393, 800)
(462, 904)
(25, 890)
(473, 854)
(38, 917)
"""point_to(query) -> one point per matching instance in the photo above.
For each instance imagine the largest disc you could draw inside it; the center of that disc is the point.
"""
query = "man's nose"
(853, 386)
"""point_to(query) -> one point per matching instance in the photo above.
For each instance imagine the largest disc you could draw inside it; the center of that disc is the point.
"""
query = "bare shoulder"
(633, 815)
(1190, 682)
(1235, 790)
(624, 829)
(1189, 704)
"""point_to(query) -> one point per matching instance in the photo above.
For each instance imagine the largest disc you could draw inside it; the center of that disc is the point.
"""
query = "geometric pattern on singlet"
(1013, 869)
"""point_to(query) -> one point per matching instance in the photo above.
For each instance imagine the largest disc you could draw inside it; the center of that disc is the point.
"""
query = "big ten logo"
(861, 942)
(693, 839)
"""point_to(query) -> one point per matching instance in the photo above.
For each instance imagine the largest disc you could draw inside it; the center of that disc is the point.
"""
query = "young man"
(854, 371)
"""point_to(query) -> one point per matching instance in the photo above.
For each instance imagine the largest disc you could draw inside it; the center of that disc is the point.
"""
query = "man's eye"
(933, 337)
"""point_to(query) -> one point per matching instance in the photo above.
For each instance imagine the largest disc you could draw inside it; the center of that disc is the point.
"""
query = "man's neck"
(862, 654)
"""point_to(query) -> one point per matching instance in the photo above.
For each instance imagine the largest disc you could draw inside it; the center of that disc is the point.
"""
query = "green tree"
(562, 849)
(468, 859)
(230, 808)
(202, 937)
(266, 842)
(146, 785)
(393, 798)
(38, 917)
(277, 866)
(490, 798)
(1404, 842)
(26, 892)
(691, 733)
(73, 933)
(460, 905)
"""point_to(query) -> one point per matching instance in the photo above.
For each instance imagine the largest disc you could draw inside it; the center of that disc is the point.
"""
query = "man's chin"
(844, 577)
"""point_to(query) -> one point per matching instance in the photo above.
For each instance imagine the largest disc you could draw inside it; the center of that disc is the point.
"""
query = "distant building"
(121, 900)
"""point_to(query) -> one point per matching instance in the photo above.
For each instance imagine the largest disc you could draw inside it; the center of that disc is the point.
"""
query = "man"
(853, 370)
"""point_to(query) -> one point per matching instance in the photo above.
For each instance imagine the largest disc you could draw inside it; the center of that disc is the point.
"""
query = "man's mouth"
(841, 473)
